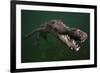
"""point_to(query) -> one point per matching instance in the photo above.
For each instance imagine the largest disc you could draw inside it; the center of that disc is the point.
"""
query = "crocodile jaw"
(69, 42)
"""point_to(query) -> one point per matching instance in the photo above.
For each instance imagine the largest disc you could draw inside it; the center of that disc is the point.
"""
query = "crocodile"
(71, 37)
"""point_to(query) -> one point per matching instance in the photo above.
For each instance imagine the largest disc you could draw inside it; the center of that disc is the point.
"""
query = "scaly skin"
(67, 35)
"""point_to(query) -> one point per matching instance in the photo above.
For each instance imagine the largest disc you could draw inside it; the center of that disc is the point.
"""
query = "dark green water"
(40, 50)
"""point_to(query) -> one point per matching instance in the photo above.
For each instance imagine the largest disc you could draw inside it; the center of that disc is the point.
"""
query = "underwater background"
(37, 49)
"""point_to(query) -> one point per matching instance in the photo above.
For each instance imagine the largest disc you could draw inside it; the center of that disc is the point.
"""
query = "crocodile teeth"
(68, 37)
(71, 48)
(77, 49)
(70, 42)
(74, 42)
(77, 45)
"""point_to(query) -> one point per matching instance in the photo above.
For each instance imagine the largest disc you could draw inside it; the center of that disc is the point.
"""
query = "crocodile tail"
(33, 31)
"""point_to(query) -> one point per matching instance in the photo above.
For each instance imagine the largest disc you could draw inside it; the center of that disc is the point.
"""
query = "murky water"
(37, 49)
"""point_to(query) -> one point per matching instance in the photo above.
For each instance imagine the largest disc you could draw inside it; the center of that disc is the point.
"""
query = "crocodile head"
(72, 37)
